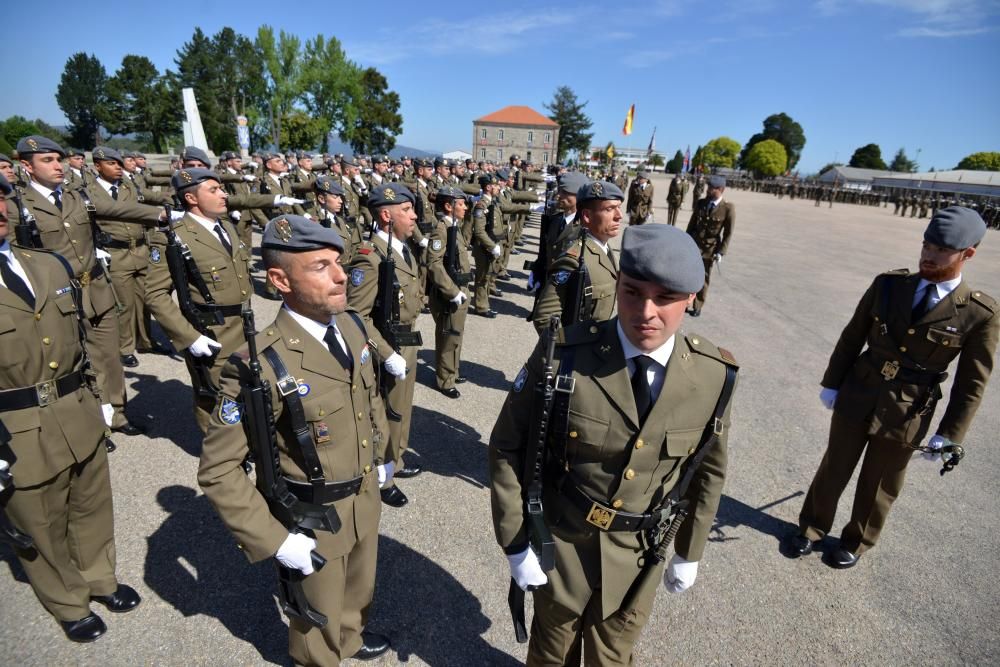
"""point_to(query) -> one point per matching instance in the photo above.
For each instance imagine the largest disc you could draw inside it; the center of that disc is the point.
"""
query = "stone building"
(515, 130)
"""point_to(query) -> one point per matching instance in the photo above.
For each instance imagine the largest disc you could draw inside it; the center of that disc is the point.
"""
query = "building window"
(499, 135)
(482, 133)
(531, 136)
(545, 158)
(527, 156)
(500, 154)
(482, 153)
(548, 137)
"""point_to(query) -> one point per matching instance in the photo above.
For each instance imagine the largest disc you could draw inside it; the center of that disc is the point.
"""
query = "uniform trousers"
(104, 350)
(400, 398)
(447, 346)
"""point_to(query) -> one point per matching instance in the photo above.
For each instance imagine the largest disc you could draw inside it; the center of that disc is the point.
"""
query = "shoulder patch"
(560, 277)
(436, 245)
(521, 378)
(985, 300)
(365, 250)
(154, 255)
(357, 276)
(897, 272)
(229, 411)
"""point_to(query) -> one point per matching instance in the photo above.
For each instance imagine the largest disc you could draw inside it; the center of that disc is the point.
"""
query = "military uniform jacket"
(36, 346)
(711, 230)
(964, 324)
(226, 276)
(346, 421)
(552, 226)
(362, 289)
(602, 271)
(640, 200)
(675, 194)
(349, 234)
(486, 225)
(610, 458)
(135, 256)
(352, 203)
(145, 194)
(270, 188)
(436, 254)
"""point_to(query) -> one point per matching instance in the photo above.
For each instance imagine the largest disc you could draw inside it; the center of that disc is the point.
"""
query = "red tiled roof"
(517, 115)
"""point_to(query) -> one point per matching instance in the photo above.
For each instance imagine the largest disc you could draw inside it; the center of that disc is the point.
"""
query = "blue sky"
(917, 74)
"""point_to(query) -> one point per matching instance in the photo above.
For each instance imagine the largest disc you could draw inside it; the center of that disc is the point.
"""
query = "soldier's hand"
(459, 299)
(532, 285)
(717, 258)
(204, 346)
(296, 552)
(828, 397)
(936, 443)
(282, 200)
(235, 215)
(680, 574)
(423, 243)
(4, 473)
(249, 178)
(525, 570)
(102, 254)
(497, 250)
(385, 473)
(396, 365)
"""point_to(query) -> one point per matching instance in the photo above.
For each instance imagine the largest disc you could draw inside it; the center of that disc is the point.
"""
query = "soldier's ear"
(968, 253)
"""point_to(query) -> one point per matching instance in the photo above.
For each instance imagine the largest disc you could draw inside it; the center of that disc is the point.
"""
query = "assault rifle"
(385, 316)
(579, 300)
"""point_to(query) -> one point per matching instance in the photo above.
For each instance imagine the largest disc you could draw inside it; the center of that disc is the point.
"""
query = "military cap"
(422, 162)
(303, 155)
(503, 174)
(389, 194)
(572, 181)
(138, 154)
(349, 161)
(4, 158)
(195, 153)
(36, 144)
(380, 158)
(295, 233)
(328, 185)
(450, 192)
(271, 156)
(955, 227)
(515, 156)
(716, 182)
(228, 155)
(187, 178)
(5, 186)
(76, 152)
(642, 173)
(665, 255)
(405, 157)
(439, 161)
(487, 179)
(599, 190)
(105, 153)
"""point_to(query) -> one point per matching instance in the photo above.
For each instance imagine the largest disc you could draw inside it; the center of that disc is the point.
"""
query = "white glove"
(423, 243)
(385, 473)
(680, 574)
(249, 178)
(307, 216)
(396, 365)
(251, 164)
(3, 467)
(204, 347)
(525, 570)
(282, 200)
(936, 442)
(538, 208)
(459, 299)
(108, 412)
(235, 215)
(828, 397)
(717, 258)
(176, 215)
(497, 251)
(295, 552)
(102, 254)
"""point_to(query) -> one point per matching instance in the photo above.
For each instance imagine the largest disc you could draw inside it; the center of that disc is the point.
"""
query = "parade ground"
(790, 282)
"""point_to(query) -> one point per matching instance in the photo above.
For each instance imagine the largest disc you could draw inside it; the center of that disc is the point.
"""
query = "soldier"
(320, 346)
(640, 199)
(273, 182)
(675, 196)
(486, 244)
(243, 219)
(711, 226)
(599, 216)
(302, 179)
(208, 329)
(78, 175)
(449, 271)
(554, 224)
(51, 446)
(884, 379)
(392, 208)
(905, 205)
(329, 204)
(633, 427)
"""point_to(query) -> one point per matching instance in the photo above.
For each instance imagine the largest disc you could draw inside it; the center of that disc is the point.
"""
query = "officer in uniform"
(599, 213)
(553, 224)
(711, 227)
(698, 191)
(640, 199)
(884, 379)
(61, 491)
(329, 204)
(77, 175)
(675, 197)
(218, 285)
(486, 244)
(392, 208)
(323, 348)
(642, 397)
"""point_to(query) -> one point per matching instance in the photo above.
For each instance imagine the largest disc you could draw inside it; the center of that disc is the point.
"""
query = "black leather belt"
(41, 394)
(893, 371)
(131, 244)
(227, 311)
(325, 494)
(604, 517)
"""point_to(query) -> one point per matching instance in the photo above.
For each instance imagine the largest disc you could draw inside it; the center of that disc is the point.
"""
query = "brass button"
(639, 444)
(695, 341)
(243, 292)
(359, 415)
(38, 316)
(73, 241)
(902, 348)
(354, 387)
(617, 504)
(239, 275)
(593, 329)
(945, 343)
(368, 469)
(911, 331)
(270, 332)
(322, 412)
(53, 365)
(691, 451)
(629, 474)
(364, 443)
(47, 340)
(572, 434)
(214, 269)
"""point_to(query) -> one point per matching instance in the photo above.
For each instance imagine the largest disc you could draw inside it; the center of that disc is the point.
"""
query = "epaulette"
(708, 349)
(365, 248)
(897, 272)
(579, 333)
(984, 300)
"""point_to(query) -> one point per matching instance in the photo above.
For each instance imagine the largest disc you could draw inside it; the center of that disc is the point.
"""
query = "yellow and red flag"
(627, 129)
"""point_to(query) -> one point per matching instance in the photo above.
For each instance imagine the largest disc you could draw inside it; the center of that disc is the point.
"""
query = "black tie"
(640, 386)
(14, 282)
(407, 256)
(57, 199)
(924, 305)
(114, 192)
(611, 256)
(222, 238)
(337, 350)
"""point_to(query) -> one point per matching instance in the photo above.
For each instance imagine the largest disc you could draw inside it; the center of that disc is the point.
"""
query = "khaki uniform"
(888, 415)
(640, 202)
(602, 277)
(228, 280)
(347, 424)
(362, 291)
(350, 234)
(62, 497)
(449, 319)
(675, 197)
(711, 228)
(486, 233)
(618, 463)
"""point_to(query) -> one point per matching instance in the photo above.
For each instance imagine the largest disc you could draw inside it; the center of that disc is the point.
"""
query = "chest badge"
(321, 432)
(304, 388)
(560, 277)
(521, 378)
(365, 354)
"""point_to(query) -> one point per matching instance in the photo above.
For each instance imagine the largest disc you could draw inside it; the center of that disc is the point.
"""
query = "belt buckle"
(890, 369)
(84, 278)
(46, 392)
(601, 516)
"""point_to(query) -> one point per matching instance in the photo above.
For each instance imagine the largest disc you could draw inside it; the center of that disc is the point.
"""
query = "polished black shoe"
(487, 313)
(109, 445)
(374, 645)
(515, 251)
(504, 276)
(841, 559)
(451, 393)
(496, 292)
(128, 429)
(797, 545)
(393, 497)
(409, 470)
(85, 630)
(426, 310)
(461, 379)
(694, 312)
(129, 361)
(125, 598)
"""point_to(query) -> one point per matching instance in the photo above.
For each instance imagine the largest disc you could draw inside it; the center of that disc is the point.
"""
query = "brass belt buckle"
(84, 278)
(890, 369)
(47, 393)
(601, 516)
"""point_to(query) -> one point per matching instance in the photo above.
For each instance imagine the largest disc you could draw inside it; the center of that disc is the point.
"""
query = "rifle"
(578, 303)
(424, 226)
(26, 233)
(385, 316)
(9, 533)
(260, 430)
(539, 536)
(101, 238)
(453, 266)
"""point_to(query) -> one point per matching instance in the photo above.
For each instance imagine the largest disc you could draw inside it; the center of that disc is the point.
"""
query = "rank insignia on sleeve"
(365, 354)
(521, 378)
(560, 277)
(63, 290)
(229, 411)
(357, 276)
(436, 245)
(154, 255)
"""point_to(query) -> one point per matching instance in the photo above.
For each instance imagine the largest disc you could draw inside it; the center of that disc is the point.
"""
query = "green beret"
(572, 181)
(955, 227)
(187, 178)
(450, 192)
(349, 161)
(665, 255)
(389, 194)
(37, 144)
(295, 233)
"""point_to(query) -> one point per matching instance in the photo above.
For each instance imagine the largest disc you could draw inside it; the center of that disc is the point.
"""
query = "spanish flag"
(627, 129)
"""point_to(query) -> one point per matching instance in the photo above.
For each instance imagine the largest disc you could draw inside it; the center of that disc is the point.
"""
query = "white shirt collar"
(205, 222)
(396, 243)
(660, 355)
(107, 185)
(6, 249)
(604, 246)
(315, 329)
(45, 192)
(944, 288)
(570, 217)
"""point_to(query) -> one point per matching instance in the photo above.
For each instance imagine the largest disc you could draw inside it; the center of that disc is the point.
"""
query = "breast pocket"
(324, 414)
(585, 438)
(948, 342)
(11, 353)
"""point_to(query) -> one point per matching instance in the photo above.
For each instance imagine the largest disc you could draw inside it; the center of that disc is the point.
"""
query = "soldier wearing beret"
(513, 214)
(329, 204)
(218, 278)
(63, 219)
(395, 219)
(56, 487)
(644, 397)
(884, 380)
(323, 346)
(487, 245)
(640, 199)
(77, 175)
(231, 164)
(554, 223)
(356, 193)
(302, 178)
(711, 227)
(599, 217)
(675, 197)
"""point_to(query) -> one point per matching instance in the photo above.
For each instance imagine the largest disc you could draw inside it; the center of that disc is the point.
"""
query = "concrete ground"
(788, 285)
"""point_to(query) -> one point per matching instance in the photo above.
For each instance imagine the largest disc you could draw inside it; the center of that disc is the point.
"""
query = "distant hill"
(338, 146)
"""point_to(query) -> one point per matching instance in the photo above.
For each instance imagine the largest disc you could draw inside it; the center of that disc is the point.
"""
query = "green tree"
(240, 83)
(332, 86)
(655, 160)
(79, 95)
(283, 71)
(676, 164)
(902, 163)
(984, 161)
(573, 122)
(301, 130)
(785, 131)
(721, 152)
(197, 68)
(139, 100)
(14, 129)
(378, 120)
(868, 156)
(698, 159)
(767, 158)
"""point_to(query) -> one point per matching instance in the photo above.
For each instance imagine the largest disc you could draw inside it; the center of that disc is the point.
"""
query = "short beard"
(939, 274)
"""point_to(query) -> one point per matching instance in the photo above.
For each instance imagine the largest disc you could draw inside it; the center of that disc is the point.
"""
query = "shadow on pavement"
(193, 564)
(448, 447)
(733, 513)
(504, 307)
(427, 613)
(478, 374)
(172, 405)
